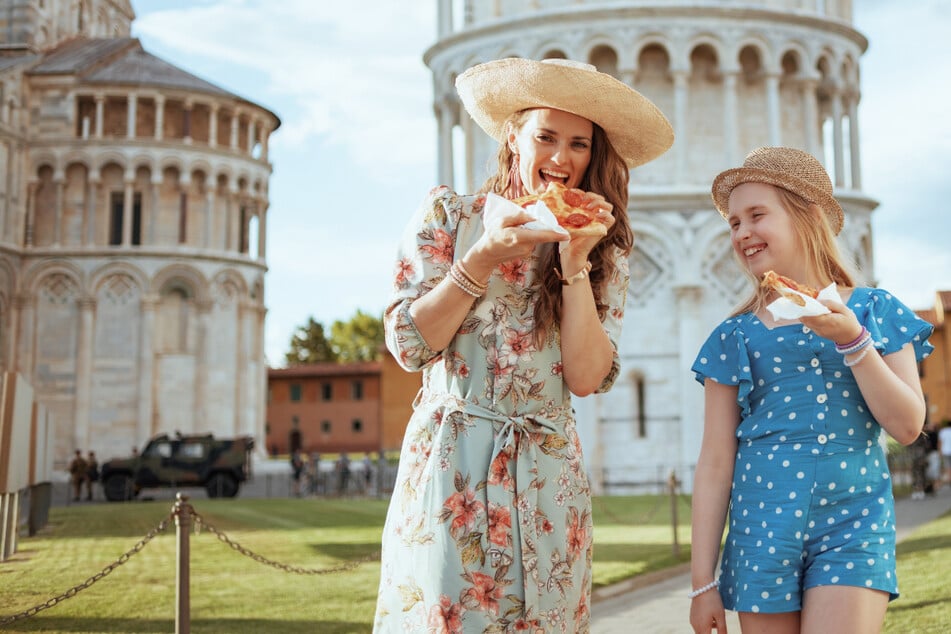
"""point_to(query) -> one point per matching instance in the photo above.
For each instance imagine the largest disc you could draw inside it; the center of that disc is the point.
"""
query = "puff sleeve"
(724, 358)
(424, 256)
(892, 324)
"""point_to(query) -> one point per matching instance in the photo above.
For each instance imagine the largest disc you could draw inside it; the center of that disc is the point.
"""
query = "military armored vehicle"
(219, 465)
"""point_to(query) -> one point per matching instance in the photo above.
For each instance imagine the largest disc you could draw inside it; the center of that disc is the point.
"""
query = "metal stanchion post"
(672, 486)
(182, 512)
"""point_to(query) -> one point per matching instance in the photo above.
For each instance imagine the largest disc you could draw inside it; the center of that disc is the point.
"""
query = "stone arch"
(552, 50)
(98, 276)
(43, 159)
(182, 291)
(110, 157)
(714, 259)
(605, 58)
(32, 277)
(655, 259)
(181, 276)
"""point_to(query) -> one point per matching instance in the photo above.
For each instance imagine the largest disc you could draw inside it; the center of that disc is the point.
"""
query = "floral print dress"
(489, 528)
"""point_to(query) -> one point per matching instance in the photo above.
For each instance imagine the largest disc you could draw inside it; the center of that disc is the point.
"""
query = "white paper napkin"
(543, 217)
(783, 308)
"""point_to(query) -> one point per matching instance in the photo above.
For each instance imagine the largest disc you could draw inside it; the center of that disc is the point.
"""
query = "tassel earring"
(516, 189)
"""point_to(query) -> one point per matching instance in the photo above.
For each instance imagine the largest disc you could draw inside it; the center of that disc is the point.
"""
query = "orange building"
(334, 407)
(936, 369)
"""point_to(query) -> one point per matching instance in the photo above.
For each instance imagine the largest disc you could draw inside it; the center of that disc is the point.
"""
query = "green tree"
(359, 339)
(309, 344)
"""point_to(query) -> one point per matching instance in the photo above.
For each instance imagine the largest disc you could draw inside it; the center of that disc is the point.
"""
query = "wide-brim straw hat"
(494, 91)
(789, 168)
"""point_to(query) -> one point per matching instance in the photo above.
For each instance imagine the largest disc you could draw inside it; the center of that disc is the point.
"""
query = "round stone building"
(731, 76)
(133, 215)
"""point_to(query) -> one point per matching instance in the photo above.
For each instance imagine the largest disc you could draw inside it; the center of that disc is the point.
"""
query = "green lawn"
(233, 593)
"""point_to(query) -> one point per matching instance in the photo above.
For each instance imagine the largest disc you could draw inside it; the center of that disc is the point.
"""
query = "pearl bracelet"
(857, 359)
(710, 586)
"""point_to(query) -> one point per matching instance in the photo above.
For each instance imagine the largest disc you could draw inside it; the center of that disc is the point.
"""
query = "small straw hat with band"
(789, 168)
(494, 91)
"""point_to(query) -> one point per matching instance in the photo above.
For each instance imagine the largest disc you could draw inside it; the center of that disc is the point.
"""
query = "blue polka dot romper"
(811, 502)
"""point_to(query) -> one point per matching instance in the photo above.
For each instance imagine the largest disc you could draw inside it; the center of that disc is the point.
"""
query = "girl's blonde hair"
(607, 175)
(819, 248)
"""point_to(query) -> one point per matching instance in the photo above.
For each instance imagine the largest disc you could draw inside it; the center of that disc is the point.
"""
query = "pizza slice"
(784, 285)
(565, 204)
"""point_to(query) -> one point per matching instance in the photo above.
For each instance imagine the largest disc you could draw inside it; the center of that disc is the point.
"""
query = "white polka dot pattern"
(811, 501)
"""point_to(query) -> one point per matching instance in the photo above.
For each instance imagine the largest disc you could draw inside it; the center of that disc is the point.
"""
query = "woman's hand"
(574, 256)
(707, 613)
(505, 239)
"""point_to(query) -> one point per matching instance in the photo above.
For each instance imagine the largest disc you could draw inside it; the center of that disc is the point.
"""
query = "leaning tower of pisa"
(731, 76)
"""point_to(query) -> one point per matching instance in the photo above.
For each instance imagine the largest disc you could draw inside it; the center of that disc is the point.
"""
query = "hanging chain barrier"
(183, 514)
(672, 493)
(69, 594)
(201, 522)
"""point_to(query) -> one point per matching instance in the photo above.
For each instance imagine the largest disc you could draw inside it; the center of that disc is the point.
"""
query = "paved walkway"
(660, 605)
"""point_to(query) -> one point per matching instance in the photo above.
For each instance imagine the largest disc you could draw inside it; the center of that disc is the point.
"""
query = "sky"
(356, 149)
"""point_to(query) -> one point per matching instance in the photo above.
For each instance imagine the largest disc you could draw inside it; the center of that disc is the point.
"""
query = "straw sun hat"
(494, 91)
(793, 170)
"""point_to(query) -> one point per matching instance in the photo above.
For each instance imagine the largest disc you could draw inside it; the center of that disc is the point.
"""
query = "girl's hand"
(707, 613)
(840, 326)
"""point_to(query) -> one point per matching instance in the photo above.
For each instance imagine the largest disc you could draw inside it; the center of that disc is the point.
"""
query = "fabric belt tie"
(526, 496)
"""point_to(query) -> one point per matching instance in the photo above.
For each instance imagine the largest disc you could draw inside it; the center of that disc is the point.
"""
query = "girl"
(793, 414)
(489, 528)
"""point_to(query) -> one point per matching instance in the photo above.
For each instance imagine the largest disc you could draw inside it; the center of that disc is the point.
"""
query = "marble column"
(811, 116)
(203, 361)
(838, 146)
(445, 115)
(144, 427)
(681, 96)
(159, 117)
(127, 203)
(773, 111)
(262, 229)
(84, 369)
(100, 107)
(854, 145)
(59, 183)
(131, 116)
(730, 118)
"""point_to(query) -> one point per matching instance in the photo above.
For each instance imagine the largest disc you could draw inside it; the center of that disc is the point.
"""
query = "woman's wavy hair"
(607, 175)
(819, 248)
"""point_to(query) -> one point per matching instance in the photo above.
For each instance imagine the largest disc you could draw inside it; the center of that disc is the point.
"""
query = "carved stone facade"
(133, 213)
(731, 76)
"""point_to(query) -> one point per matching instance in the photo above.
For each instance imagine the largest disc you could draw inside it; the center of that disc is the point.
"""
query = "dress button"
(822, 398)
(806, 330)
(822, 439)
(814, 363)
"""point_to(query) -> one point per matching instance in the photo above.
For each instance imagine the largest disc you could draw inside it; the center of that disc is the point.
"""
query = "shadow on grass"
(922, 544)
(198, 626)
(908, 607)
(346, 552)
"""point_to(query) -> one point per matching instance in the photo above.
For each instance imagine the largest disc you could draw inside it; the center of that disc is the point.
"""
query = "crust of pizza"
(565, 204)
(783, 285)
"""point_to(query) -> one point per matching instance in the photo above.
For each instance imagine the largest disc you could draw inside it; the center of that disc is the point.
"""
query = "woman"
(489, 528)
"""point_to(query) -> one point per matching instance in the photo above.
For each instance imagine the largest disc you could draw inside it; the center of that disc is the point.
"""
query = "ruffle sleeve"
(891, 323)
(424, 256)
(724, 358)
(615, 297)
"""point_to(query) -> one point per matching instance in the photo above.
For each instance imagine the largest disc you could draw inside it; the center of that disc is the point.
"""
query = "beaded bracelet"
(857, 359)
(864, 338)
(464, 284)
(460, 268)
(710, 586)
